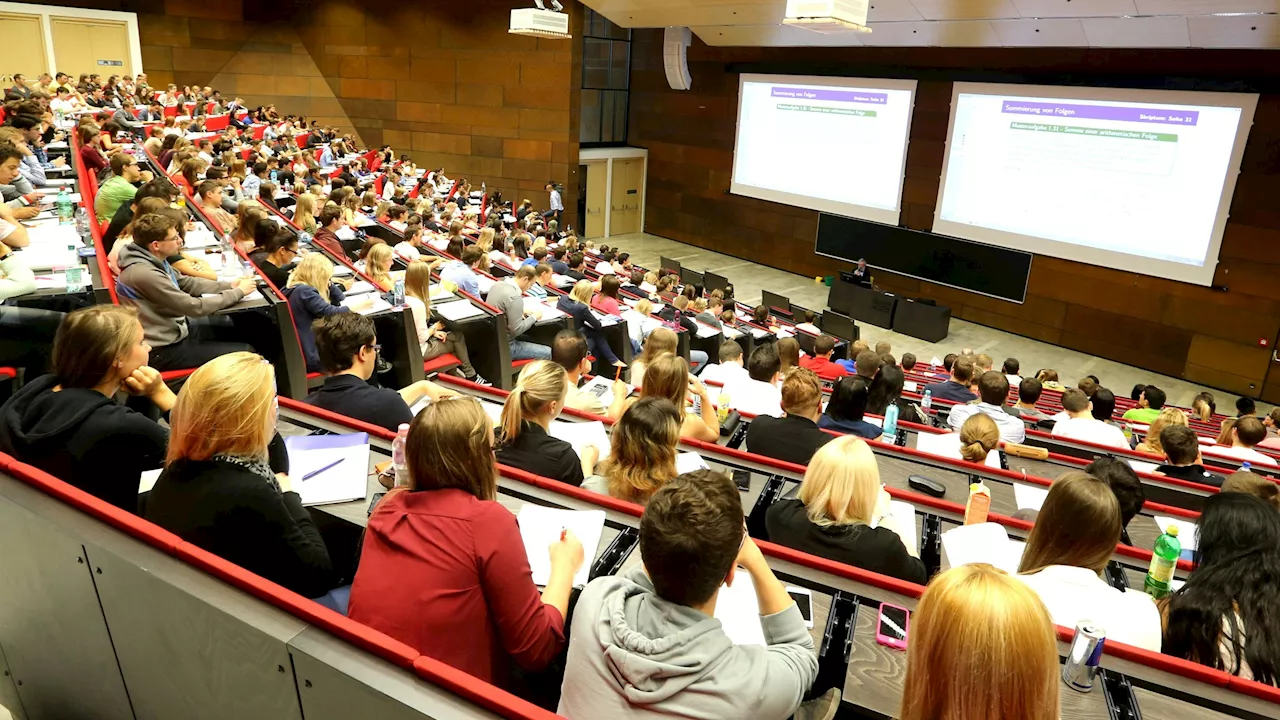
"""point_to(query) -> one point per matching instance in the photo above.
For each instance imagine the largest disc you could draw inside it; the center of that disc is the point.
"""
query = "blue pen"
(314, 473)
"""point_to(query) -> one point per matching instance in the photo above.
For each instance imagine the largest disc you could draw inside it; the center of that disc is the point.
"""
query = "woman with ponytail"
(978, 437)
(524, 441)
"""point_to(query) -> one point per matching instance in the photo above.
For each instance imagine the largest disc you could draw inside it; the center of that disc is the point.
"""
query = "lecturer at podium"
(862, 274)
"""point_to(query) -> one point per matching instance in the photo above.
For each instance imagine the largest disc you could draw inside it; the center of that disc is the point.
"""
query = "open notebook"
(329, 468)
(540, 527)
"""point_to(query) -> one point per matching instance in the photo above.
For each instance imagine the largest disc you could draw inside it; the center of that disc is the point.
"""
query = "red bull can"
(1085, 656)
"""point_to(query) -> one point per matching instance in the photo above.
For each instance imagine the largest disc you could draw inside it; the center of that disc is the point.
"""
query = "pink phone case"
(893, 642)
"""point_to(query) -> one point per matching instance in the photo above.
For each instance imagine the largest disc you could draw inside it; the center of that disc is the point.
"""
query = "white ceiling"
(974, 23)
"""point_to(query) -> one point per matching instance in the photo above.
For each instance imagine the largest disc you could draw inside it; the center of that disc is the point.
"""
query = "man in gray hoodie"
(165, 298)
(646, 645)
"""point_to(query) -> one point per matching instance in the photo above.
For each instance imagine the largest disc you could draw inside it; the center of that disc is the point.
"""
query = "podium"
(922, 320)
(862, 303)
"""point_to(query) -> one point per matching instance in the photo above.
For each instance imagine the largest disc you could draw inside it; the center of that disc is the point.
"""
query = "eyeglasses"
(376, 347)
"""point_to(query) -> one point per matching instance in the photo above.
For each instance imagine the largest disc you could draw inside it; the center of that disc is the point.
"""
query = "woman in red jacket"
(444, 569)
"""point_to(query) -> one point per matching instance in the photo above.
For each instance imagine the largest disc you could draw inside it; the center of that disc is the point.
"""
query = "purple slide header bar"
(833, 95)
(1103, 112)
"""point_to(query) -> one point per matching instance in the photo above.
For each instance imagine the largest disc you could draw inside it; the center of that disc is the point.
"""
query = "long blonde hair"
(642, 449)
(978, 436)
(582, 292)
(378, 256)
(1168, 416)
(485, 242)
(661, 340)
(982, 646)
(417, 281)
(1078, 525)
(667, 377)
(842, 483)
(315, 270)
(304, 213)
(540, 382)
(227, 407)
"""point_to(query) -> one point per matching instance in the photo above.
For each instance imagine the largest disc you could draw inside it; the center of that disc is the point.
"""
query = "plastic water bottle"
(483, 190)
(82, 226)
(927, 401)
(1164, 558)
(273, 176)
(66, 211)
(1246, 466)
(890, 425)
(397, 294)
(398, 457)
(74, 278)
(304, 237)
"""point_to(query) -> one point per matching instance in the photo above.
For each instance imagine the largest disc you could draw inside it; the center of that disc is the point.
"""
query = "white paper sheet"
(706, 331)
(360, 287)
(341, 269)
(549, 312)
(738, 610)
(540, 527)
(58, 281)
(1186, 529)
(344, 482)
(582, 435)
(1144, 467)
(904, 518)
(378, 305)
(460, 310)
(981, 543)
(1029, 497)
(689, 462)
(148, 480)
(948, 445)
(48, 257)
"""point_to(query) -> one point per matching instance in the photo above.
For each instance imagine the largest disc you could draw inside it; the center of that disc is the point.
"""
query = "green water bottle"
(1164, 558)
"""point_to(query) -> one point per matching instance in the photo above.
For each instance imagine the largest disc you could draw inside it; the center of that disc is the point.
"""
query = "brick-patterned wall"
(446, 83)
(1203, 335)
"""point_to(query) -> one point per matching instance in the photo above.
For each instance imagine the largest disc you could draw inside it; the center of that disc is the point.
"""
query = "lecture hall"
(638, 359)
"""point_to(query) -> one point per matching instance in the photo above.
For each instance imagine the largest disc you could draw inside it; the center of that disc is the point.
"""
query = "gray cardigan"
(507, 297)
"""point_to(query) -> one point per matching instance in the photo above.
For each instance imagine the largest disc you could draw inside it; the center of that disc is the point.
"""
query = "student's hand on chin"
(145, 381)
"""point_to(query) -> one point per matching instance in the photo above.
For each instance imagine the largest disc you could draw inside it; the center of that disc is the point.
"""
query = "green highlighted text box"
(828, 110)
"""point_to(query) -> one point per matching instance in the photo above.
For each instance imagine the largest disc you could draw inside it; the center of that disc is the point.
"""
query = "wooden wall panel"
(1205, 335)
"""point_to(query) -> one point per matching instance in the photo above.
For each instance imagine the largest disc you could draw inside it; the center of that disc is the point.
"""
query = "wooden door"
(24, 46)
(597, 196)
(90, 46)
(627, 179)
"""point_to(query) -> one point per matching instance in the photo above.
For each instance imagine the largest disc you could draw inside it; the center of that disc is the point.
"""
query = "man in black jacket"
(795, 437)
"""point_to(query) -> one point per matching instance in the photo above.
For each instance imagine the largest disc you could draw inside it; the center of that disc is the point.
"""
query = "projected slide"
(832, 144)
(1131, 179)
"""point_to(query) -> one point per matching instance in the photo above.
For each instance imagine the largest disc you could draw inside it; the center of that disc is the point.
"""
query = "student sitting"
(1261, 487)
(982, 646)
(527, 414)
(847, 408)
(661, 341)
(1168, 416)
(1247, 433)
(209, 195)
(795, 437)
(1225, 616)
(1182, 450)
(606, 301)
(577, 304)
(1080, 423)
(434, 338)
(886, 390)
(462, 273)
(165, 299)
(329, 222)
(1125, 485)
(275, 257)
(642, 452)
(507, 296)
(569, 351)
(994, 388)
(68, 424)
(348, 349)
(1029, 390)
(1073, 538)
(1149, 404)
(312, 295)
(758, 394)
(645, 644)
(956, 388)
(668, 377)
(820, 362)
(377, 265)
(217, 490)
(729, 370)
(842, 514)
(443, 567)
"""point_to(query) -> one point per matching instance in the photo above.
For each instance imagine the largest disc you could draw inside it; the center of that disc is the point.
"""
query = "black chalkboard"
(987, 269)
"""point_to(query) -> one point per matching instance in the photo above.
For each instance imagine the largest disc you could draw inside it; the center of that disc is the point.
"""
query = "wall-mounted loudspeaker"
(675, 46)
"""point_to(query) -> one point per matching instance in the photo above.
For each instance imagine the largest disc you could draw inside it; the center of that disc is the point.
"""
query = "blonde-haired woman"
(312, 294)
(525, 442)
(979, 435)
(642, 452)
(982, 646)
(668, 377)
(577, 304)
(218, 490)
(1168, 416)
(661, 341)
(304, 213)
(434, 339)
(1074, 537)
(842, 514)
(443, 568)
(377, 265)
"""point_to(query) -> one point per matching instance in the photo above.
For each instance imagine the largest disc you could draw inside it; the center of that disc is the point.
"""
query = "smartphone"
(804, 601)
(892, 628)
(742, 478)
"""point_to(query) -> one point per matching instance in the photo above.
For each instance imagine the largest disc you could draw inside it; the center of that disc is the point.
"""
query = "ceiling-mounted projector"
(828, 16)
(539, 23)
